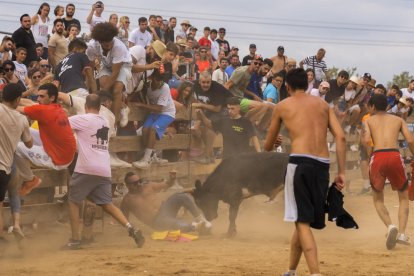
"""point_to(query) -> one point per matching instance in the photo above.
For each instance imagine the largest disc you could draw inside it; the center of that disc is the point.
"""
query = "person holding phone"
(95, 15)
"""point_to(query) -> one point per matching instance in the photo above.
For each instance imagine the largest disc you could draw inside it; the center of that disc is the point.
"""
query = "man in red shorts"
(386, 163)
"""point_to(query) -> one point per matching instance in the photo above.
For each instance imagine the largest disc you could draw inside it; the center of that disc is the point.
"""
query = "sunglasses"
(8, 69)
(127, 22)
(36, 77)
(137, 182)
(203, 51)
(257, 63)
(222, 32)
(45, 65)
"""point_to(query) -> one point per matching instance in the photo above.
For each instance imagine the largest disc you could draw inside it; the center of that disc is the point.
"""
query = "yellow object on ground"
(174, 235)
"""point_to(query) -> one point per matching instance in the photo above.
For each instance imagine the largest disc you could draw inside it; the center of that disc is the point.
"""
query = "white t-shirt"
(395, 109)
(220, 76)
(118, 54)
(95, 20)
(139, 53)
(349, 94)
(315, 92)
(215, 48)
(407, 94)
(13, 127)
(140, 38)
(78, 103)
(93, 155)
(162, 97)
(21, 71)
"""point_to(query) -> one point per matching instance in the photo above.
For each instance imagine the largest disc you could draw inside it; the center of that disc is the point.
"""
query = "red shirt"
(55, 132)
(203, 65)
(204, 42)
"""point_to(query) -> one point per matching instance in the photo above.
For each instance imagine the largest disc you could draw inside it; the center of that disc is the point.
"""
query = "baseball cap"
(193, 28)
(280, 48)
(235, 48)
(252, 45)
(367, 76)
(258, 57)
(325, 84)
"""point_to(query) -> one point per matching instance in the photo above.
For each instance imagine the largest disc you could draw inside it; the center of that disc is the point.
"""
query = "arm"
(213, 108)
(29, 144)
(34, 19)
(339, 135)
(274, 129)
(229, 84)
(301, 63)
(407, 135)
(256, 143)
(64, 98)
(116, 68)
(159, 186)
(51, 55)
(90, 80)
(89, 17)
(150, 107)
(137, 68)
(131, 44)
(202, 117)
(124, 208)
(251, 94)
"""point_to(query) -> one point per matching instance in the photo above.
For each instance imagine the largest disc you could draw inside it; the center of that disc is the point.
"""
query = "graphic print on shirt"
(64, 66)
(102, 135)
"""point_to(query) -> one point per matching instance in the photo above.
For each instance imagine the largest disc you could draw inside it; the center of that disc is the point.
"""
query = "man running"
(386, 163)
(307, 119)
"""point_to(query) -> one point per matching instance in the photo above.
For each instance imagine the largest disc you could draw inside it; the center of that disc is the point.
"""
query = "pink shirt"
(92, 133)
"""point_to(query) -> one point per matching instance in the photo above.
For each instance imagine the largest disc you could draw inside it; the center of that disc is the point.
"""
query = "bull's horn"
(188, 190)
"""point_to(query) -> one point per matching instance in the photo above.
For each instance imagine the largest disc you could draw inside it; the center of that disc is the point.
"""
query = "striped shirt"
(318, 67)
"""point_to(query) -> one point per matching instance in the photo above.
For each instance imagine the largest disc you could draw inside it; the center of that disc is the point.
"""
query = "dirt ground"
(260, 248)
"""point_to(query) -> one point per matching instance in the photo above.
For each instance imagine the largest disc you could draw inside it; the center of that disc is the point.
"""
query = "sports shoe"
(142, 164)
(72, 245)
(18, 234)
(137, 236)
(157, 160)
(63, 198)
(354, 148)
(391, 236)
(347, 129)
(28, 186)
(289, 274)
(403, 239)
(124, 116)
(116, 162)
(202, 160)
(333, 147)
(365, 191)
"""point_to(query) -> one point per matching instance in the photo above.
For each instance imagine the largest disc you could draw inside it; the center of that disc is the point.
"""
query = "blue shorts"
(158, 121)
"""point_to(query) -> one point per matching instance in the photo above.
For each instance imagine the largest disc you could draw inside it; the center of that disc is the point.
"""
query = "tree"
(401, 80)
(332, 73)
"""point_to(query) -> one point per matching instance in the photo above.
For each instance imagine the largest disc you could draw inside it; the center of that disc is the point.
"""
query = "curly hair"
(104, 32)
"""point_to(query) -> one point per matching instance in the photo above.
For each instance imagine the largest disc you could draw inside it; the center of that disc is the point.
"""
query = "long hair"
(181, 98)
(44, 4)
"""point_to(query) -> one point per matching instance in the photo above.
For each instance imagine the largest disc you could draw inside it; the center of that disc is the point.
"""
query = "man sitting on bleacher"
(162, 113)
(54, 144)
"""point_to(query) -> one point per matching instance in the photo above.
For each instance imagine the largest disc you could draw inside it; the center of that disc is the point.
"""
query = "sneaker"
(403, 239)
(333, 147)
(28, 186)
(365, 191)
(289, 274)
(137, 236)
(18, 234)
(124, 116)
(142, 164)
(354, 148)
(116, 162)
(159, 161)
(347, 129)
(391, 237)
(63, 198)
(72, 245)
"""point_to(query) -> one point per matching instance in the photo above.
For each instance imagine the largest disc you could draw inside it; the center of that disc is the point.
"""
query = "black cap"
(280, 48)
(367, 76)
(193, 28)
(252, 45)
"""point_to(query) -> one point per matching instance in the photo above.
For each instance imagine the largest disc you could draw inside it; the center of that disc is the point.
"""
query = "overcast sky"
(374, 36)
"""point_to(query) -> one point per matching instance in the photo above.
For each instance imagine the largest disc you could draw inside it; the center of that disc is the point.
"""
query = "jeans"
(166, 218)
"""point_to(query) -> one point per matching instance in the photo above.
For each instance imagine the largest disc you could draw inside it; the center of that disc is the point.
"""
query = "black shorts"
(306, 188)
(4, 181)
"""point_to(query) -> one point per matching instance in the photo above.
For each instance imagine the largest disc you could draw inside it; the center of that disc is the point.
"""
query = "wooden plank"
(51, 178)
(45, 212)
(134, 143)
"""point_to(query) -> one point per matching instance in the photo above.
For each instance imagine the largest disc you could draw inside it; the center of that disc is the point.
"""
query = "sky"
(374, 36)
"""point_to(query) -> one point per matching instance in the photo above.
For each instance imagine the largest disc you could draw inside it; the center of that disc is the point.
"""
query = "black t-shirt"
(216, 95)
(74, 21)
(26, 40)
(69, 72)
(236, 135)
(247, 60)
(335, 91)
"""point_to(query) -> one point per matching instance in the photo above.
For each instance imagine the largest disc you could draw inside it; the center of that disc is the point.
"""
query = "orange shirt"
(55, 132)
(203, 65)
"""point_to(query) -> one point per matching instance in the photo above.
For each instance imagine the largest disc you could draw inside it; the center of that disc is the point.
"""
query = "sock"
(292, 272)
(366, 184)
(128, 225)
(148, 154)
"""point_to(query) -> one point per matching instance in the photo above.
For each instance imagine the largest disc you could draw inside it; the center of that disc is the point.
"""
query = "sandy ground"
(260, 248)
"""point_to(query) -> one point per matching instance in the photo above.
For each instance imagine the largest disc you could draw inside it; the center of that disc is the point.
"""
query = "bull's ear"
(198, 184)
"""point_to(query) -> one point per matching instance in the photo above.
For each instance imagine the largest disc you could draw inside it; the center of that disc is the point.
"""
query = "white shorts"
(124, 76)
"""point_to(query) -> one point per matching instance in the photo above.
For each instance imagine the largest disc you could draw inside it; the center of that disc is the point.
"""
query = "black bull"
(238, 178)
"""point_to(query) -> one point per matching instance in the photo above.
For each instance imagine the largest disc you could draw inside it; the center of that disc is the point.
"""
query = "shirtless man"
(144, 201)
(386, 163)
(307, 120)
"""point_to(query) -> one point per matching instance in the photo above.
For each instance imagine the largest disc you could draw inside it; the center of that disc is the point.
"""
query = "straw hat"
(182, 42)
(403, 101)
(354, 79)
(185, 22)
(158, 47)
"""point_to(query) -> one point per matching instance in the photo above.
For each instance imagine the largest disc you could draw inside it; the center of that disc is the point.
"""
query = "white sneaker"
(142, 164)
(124, 116)
(403, 239)
(116, 162)
(354, 148)
(391, 236)
(156, 160)
(347, 129)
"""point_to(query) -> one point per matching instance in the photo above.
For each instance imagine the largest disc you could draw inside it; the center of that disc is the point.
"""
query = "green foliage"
(401, 80)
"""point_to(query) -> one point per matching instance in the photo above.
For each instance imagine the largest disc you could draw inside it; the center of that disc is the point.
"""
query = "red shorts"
(387, 164)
